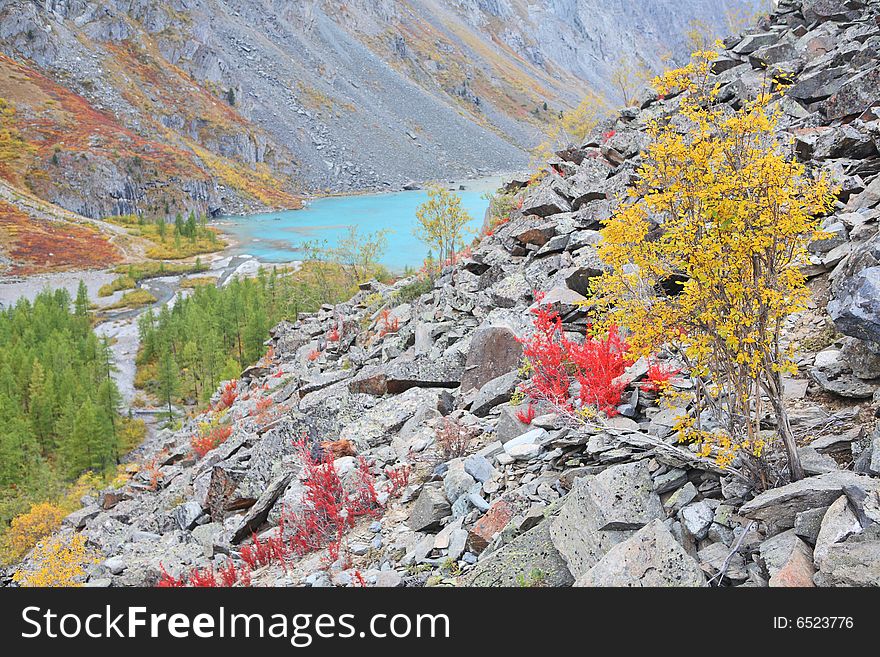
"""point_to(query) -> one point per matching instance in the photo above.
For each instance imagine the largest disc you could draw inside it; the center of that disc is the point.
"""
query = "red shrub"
(333, 335)
(204, 578)
(596, 364)
(389, 324)
(314, 355)
(607, 135)
(599, 366)
(546, 354)
(399, 478)
(658, 376)
(168, 581)
(527, 415)
(229, 395)
(328, 509)
(202, 444)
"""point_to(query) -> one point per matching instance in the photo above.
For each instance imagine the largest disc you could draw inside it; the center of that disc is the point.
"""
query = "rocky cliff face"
(230, 106)
(614, 502)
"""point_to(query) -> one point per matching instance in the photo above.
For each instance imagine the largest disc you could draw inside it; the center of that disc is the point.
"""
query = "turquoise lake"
(279, 236)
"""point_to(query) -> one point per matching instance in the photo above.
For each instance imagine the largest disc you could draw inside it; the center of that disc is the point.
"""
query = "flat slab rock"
(779, 506)
(602, 511)
(529, 558)
(650, 557)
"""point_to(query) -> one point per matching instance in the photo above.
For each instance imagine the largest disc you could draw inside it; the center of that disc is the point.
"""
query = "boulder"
(855, 95)
(429, 509)
(488, 526)
(187, 513)
(494, 351)
(603, 510)
(779, 506)
(421, 372)
(855, 305)
(651, 557)
(545, 201)
(497, 391)
(838, 524)
(787, 560)
(530, 558)
(855, 562)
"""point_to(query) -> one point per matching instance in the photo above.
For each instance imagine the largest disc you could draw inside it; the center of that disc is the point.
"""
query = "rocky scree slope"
(614, 502)
(236, 106)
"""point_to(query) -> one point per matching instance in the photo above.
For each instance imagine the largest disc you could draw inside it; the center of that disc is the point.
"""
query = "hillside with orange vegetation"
(32, 245)
(152, 108)
(85, 160)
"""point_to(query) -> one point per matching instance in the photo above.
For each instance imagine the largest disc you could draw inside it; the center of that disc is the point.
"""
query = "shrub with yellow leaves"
(57, 562)
(704, 259)
(570, 128)
(27, 529)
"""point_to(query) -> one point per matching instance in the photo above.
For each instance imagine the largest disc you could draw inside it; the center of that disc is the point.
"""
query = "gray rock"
(682, 497)
(457, 542)
(808, 523)
(497, 391)
(430, 507)
(787, 560)
(80, 517)
(815, 463)
(479, 468)
(603, 510)
(712, 559)
(855, 304)
(855, 562)
(509, 426)
(697, 518)
(115, 565)
(670, 480)
(494, 351)
(457, 481)
(838, 523)
(544, 201)
(187, 514)
(531, 557)
(651, 557)
(779, 506)
(855, 95)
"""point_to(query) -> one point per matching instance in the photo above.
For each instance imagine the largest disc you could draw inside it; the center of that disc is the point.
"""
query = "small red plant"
(359, 580)
(658, 376)
(204, 443)
(599, 367)
(553, 360)
(545, 353)
(333, 335)
(329, 510)
(399, 478)
(229, 395)
(453, 439)
(314, 355)
(168, 581)
(154, 476)
(526, 416)
(607, 135)
(389, 324)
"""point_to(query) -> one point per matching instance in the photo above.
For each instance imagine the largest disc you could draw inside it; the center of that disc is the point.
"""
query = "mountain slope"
(542, 499)
(232, 106)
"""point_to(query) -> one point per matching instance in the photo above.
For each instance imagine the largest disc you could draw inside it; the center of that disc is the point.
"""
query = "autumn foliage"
(554, 363)
(705, 260)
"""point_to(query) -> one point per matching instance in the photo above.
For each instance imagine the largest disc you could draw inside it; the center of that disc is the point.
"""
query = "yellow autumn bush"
(58, 562)
(29, 528)
(704, 259)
